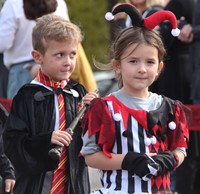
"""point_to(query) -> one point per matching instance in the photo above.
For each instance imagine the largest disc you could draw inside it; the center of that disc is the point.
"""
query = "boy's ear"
(37, 56)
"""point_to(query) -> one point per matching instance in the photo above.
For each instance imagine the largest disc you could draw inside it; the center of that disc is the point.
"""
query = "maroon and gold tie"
(59, 183)
(60, 178)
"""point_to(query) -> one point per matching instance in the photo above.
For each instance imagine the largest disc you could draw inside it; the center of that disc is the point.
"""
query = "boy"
(42, 107)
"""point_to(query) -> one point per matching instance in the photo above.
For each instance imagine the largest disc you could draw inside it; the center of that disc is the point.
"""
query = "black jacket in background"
(6, 168)
(175, 80)
(195, 54)
(180, 8)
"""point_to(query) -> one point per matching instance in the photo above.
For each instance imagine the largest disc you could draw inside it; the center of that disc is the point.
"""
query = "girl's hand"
(9, 185)
(151, 154)
(61, 138)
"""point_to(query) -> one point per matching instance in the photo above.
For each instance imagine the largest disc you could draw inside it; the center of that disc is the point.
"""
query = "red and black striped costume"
(119, 129)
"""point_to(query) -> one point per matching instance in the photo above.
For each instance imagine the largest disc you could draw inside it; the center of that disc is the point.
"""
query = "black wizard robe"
(28, 134)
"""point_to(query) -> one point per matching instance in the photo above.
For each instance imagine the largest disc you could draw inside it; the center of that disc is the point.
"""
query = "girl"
(133, 136)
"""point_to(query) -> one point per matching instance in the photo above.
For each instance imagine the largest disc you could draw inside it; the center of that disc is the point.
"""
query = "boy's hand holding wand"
(55, 153)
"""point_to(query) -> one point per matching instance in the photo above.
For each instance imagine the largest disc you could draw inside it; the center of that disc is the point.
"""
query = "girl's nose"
(142, 68)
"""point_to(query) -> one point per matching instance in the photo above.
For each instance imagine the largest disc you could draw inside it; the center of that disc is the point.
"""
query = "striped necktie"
(59, 183)
(60, 178)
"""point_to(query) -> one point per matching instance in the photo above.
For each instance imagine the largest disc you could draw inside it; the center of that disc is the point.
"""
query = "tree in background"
(89, 15)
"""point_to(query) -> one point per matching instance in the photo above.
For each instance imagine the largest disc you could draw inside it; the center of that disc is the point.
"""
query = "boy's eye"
(72, 54)
(59, 55)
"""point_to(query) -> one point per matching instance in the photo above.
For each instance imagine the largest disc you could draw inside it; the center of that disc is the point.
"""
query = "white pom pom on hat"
(109, 16)
(175, 32)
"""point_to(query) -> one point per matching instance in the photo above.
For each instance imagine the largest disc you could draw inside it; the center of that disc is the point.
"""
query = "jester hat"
(149, 22)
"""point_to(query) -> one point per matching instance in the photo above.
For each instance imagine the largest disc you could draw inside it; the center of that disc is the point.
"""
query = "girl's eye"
(150, 62)
(133, 61)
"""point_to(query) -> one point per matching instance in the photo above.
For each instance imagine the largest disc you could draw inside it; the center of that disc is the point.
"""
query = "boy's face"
(59, 60)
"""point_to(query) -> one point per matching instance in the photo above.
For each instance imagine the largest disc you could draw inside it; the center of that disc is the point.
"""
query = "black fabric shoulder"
(28, 91)
(32, 86)
(169, 100)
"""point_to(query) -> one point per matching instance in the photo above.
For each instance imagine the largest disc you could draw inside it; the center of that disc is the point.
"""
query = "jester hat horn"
(150, 22)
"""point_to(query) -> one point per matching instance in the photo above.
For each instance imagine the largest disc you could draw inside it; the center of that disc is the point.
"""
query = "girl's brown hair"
(136, 35)
(129, 36)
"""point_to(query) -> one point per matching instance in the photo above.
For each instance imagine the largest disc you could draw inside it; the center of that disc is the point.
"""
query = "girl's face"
(59, 60)
(139, 67)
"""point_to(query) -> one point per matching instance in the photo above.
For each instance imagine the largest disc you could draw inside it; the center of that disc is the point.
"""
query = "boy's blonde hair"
(53, 27)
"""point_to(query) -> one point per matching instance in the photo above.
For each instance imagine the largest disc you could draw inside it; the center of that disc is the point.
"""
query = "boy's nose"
(67, 61)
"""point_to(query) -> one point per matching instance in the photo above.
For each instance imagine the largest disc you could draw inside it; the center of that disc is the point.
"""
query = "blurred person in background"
(3, 71)
(145, 7)
(193, 35)
(178, 64)
(17, 21)
(15, 42)
(175, 82)
(3, 78)
(7, 171)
